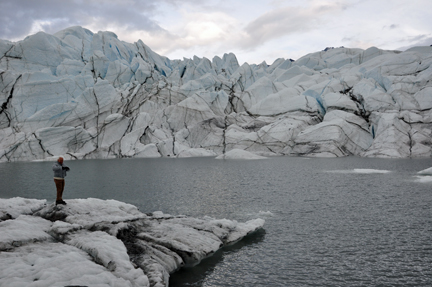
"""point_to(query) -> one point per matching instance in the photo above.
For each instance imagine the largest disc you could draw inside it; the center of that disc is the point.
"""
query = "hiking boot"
(60, 202)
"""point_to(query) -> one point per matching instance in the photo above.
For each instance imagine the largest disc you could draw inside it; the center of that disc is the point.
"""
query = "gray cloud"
(420, 40)
(391, 27)
(18, 16)
(285, 21)
(347, 39)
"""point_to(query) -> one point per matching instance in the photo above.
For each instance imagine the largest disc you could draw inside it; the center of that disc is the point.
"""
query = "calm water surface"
(326, 225)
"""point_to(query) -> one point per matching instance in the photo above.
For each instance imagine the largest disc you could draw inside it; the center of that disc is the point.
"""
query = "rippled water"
(329, 222)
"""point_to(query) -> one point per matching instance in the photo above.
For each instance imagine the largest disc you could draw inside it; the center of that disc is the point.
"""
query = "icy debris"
(191, 244)
(23, 230)
(110, 252)
(424, 179)
(60, 229)
(54, 264)
(238, 230)
(427, 171)
(239, 154)
(361, 171)
(14, 207)
(92, 242)
(265, 213)
(425, 176)
(366, 170)
(87, 212)
(196, 152)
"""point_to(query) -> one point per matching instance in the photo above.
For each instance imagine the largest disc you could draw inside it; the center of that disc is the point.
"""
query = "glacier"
(85, 95)
(94, 242)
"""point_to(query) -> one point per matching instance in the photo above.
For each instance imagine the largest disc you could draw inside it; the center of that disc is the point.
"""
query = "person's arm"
(56, 167)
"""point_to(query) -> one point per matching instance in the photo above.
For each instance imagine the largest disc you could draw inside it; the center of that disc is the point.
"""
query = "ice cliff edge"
(92, 242)
(90, 95)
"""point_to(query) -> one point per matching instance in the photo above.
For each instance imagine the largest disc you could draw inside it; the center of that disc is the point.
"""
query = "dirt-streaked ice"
(93, 242)
(87, 95)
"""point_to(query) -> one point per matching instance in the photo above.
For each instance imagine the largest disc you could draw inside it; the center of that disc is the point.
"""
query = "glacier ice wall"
(86, 95)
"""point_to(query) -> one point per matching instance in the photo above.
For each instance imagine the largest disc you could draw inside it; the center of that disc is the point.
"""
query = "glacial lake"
(329, 222)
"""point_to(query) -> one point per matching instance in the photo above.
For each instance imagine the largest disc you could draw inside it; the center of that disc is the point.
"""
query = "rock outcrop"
(85, 95)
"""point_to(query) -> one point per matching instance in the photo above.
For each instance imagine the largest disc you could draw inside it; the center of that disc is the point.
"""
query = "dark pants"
(60, 184)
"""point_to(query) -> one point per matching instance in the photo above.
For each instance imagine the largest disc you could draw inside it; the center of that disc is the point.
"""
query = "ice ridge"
(88, 95)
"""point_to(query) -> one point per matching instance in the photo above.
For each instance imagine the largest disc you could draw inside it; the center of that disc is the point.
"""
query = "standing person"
(59, 174)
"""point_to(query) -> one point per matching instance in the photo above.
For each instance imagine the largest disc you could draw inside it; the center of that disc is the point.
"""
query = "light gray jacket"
(59, 170)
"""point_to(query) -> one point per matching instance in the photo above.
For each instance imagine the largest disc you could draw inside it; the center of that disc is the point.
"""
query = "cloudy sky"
(254, 30)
